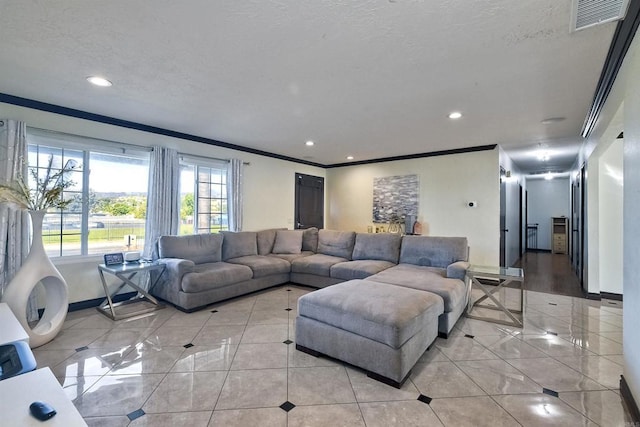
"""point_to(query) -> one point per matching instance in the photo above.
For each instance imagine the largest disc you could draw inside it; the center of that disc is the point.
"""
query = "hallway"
(550, 273)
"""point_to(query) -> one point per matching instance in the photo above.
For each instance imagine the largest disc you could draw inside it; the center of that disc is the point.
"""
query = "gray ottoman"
(381, 328)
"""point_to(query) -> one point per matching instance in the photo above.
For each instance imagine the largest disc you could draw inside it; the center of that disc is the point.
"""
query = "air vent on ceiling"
(587, 13)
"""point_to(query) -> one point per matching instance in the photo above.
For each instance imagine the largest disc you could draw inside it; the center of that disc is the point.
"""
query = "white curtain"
(14, 222)
(163, 198)
(234, 194)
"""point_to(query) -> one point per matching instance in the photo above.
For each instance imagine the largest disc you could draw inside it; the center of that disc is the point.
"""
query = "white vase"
(38, 268)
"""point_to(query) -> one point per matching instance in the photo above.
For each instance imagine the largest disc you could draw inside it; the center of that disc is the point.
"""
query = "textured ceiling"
(370, 79)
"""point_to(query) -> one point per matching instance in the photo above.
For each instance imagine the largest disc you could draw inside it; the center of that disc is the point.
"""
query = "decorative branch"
(48, 191)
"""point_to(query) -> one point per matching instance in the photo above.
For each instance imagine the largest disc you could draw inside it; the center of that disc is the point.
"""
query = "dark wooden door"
(582, 255)
(578, 221)
(309, 210)
(521, 221)
(503, 218)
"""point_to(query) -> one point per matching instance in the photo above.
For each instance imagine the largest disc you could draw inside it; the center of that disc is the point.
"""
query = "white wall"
(610, 219)
(631, 274)
(268, 184)
(620, 113)
(546, 199)
(446, 184)
(604, 207)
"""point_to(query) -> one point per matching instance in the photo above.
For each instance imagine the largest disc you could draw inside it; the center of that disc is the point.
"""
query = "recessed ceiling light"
(99, 81)
(309, 143)
(455, 115)
(553, 120)
(543, 156)
(349, 157)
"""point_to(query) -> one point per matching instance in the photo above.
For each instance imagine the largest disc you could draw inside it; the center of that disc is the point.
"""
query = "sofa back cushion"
(288, 242)
(310, 239)
(237, 244)
(379, 246)
(199, 248)
(431, 251)
(336, 243)
(266, 239)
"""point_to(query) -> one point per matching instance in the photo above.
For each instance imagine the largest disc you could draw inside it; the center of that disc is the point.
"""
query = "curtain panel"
(163, 198)
(14, 222)
(234, 194)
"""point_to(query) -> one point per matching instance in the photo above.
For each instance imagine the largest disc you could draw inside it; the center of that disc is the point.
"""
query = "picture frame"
(114, 258)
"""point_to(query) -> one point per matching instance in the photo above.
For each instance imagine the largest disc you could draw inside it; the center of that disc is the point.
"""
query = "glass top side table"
(125, 272)
(503, 276)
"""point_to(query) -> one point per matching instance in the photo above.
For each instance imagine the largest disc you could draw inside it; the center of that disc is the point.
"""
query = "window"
(109, 195)
(203, 195)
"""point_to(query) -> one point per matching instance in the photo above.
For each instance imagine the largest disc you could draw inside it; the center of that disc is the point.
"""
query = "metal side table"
(125, 272)
(504, 276)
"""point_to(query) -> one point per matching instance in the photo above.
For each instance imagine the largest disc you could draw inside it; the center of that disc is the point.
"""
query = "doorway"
(578, 220)
(309, 201)
(503, 217)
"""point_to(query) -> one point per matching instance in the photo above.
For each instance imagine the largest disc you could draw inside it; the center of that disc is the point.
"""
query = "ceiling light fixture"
(99, 81)
(309, 143)
(349, 157)
(455, 115)
(543, 156)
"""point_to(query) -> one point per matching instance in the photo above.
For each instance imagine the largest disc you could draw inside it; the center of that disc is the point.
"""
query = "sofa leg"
(443, 335)
(308, 350)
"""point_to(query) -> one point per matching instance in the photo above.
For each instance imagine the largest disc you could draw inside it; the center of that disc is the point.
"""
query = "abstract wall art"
(394, 197)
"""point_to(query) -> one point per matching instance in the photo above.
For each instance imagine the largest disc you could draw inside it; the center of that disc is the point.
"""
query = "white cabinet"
(559, 233)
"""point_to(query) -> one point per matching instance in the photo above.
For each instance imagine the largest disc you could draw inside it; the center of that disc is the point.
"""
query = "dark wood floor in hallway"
(551, 273)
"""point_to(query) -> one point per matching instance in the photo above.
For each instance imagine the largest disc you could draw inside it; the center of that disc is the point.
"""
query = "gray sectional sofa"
(207, 268)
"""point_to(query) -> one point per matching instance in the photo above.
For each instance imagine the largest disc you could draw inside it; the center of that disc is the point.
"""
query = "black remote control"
(42, 411)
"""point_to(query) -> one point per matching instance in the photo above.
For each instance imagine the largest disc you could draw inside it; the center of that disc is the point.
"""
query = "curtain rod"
(125, 145)
(196, 156)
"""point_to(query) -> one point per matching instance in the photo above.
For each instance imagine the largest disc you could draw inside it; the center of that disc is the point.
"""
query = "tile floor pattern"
(235, 364)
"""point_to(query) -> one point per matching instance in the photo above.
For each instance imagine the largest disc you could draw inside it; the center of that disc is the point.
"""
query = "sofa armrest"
(457, 270)
(177, 267)
(172, 275)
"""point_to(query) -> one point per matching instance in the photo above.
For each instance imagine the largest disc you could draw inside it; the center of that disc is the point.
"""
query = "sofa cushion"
(384, 313)
(310, 239)
(266, 239)
(318, 264)
(378, 246)
(262, 265)
(237, 244)
(288, 242)
(429, 251)
(336, 243)
(452, 291)
(199, 248)
(358, 269)
(214, 275)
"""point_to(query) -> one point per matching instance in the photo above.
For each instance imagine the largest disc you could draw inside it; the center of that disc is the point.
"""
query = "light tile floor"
(235, 364)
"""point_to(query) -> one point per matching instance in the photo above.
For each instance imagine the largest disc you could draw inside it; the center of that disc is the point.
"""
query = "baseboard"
(538, 250)
(593, 296)
(629, 401)
(609, 295)
(81, 305)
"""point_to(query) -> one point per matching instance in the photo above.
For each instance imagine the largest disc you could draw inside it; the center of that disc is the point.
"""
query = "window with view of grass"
(108, 197)
(203, 195)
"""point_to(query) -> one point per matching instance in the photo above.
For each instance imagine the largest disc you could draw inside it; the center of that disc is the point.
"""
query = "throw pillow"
(288, 242)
